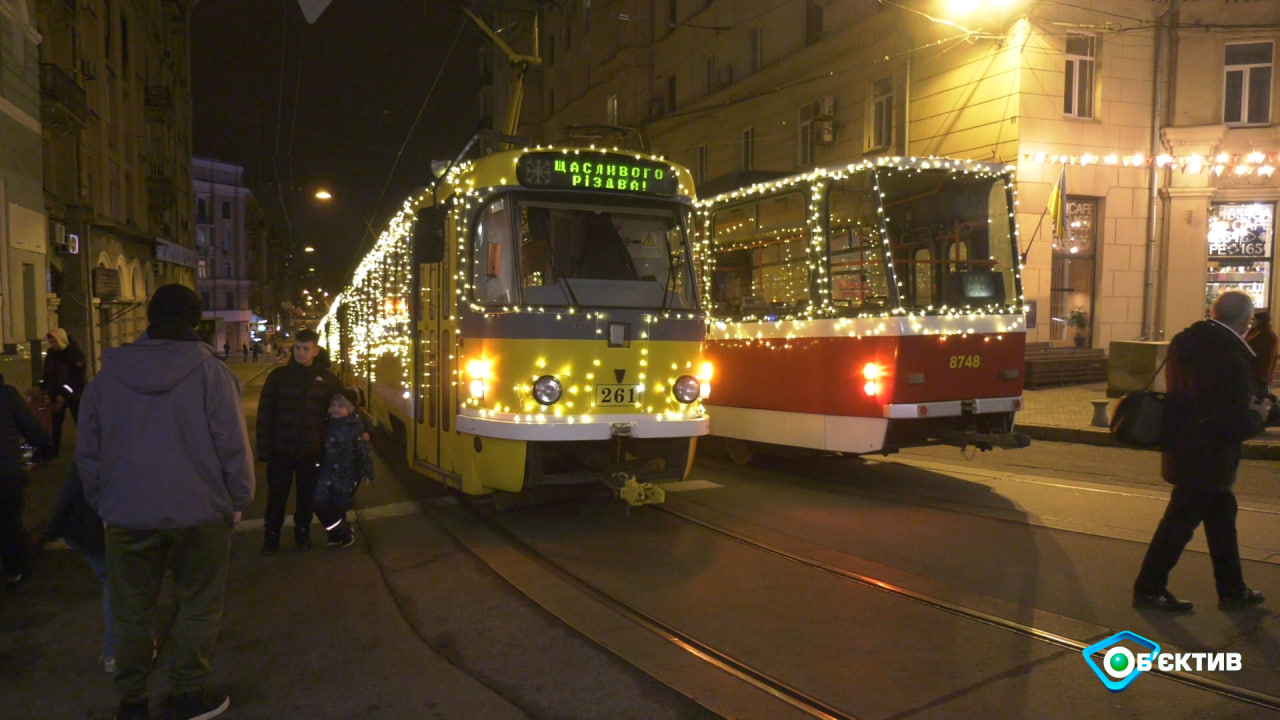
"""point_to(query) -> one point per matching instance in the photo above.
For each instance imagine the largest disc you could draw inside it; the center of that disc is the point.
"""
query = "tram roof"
(836, 171)
(499, 169)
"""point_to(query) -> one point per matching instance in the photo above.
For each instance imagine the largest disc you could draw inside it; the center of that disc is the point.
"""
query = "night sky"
(331, 104)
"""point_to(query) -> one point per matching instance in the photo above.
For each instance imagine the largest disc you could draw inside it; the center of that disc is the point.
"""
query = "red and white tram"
(866, 308)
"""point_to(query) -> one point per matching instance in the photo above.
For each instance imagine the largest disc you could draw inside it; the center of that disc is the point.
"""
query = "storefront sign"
(106, 283)
(1241, 231)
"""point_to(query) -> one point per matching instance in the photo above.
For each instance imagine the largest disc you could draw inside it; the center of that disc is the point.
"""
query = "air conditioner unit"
(57, 234)
(825, 106)
(824, 132)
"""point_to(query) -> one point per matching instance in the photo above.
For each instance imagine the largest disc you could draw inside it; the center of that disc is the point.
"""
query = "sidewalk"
(1065, 414)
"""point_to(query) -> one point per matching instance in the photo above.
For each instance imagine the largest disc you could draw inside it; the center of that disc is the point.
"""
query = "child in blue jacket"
(348, 464)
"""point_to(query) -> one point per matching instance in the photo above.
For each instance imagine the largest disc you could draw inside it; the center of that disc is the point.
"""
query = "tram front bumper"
(543, 428)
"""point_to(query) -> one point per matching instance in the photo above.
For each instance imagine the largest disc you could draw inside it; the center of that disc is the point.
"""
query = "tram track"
(778, 687)
(1235, 692)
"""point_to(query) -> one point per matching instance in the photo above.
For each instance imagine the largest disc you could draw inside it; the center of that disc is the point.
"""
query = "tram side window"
(760, 258)
(493, 275)
(859, 280)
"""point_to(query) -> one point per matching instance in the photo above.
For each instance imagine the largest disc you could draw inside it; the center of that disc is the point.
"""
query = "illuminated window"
(761, 260)
(859, 278)
(1077, 90)
(1247, 92)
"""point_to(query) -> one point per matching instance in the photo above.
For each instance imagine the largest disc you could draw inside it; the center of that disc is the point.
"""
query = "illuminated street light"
(308, 249)
(323, 194)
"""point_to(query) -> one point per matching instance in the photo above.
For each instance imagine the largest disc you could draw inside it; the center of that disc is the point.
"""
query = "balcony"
(161, 190)
(62, 101)
(159, 101)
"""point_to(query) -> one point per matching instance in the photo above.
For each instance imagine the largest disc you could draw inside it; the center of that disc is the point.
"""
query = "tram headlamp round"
(686, 388)
(547, 390)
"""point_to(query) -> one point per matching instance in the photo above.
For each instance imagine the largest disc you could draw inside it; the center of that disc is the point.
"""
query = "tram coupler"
(635, 492)
(965, 439)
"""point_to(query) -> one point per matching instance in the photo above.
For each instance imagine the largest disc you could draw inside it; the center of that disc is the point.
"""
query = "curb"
(1096, 436)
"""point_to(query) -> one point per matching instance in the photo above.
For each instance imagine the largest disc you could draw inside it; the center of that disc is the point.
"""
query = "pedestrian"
(1210, 409)
(76, 522)
(164, 456)
(63, 381)
(17, 424)
(226, 351)
(255, 348)
(348, 464)
(244, 351)
(291, 426)
(1262, 339)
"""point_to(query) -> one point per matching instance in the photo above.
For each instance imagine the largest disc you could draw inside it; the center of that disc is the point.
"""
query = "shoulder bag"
(1135, 422)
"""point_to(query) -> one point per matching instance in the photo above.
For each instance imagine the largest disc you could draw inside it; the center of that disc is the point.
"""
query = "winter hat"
(60, 336)
(347, 398)
(174, 306)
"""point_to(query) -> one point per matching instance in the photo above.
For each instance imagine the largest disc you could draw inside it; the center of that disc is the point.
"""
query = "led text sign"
(596, 171)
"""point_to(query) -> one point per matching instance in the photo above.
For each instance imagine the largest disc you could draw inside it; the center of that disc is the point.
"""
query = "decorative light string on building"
(1254, 163)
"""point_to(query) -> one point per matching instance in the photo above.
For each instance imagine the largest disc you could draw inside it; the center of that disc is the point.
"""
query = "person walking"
(348, 464)
(1262, 340)
(1210, 409)
(63, 381)
(290, 438)
(18, 423)
(163, 454)
(76, 522)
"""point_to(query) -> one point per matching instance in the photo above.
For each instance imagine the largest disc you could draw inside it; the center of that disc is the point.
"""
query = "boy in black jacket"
(348, 464)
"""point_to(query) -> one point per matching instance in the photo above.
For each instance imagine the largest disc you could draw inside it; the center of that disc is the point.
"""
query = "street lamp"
(323, 194)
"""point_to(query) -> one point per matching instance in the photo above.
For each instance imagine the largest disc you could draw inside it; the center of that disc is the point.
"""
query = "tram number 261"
(965, 361)
(617, 394)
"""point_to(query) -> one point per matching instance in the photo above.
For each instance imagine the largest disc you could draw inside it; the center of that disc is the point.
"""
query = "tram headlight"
(705, 371)
(547, 390)
(686, 388)
(479, 371)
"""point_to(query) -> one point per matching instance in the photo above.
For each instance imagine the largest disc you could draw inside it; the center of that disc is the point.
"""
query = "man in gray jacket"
(163, 451)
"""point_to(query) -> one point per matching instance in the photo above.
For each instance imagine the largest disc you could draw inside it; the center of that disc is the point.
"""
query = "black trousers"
(1188, 507)
(58, 417)
(13, 537)
(282, 473)
(332, 505)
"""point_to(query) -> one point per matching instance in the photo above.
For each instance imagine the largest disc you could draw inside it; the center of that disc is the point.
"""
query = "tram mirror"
(428, 235)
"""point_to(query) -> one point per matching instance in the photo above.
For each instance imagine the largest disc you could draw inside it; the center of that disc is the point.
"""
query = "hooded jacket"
(1207, 415)
(162, 440)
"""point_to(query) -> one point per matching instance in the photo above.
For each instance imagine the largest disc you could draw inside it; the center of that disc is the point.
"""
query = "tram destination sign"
(596, 171)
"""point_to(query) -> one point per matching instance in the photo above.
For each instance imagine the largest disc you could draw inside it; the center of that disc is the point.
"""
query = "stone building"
(116, 105)
(231, 249)
(1156, 120)
(26, 312)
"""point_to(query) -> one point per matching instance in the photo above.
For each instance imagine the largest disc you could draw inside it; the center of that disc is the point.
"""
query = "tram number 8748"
(965, 361)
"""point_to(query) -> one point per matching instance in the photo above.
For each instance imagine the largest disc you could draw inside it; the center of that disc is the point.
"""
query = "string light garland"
(1239, 164)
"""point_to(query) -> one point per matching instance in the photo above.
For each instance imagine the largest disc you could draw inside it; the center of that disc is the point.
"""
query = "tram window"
(493, 280)
(760, 256)
(611, 256)
(859, 280)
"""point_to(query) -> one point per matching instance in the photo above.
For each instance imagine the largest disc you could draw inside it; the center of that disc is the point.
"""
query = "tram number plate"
(617, 394)
(965, 361)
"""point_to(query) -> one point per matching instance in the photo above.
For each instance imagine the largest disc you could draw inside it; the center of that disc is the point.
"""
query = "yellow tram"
(531, 319)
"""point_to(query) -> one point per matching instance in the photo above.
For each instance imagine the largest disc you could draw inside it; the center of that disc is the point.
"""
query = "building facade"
(231, 249)
(116, 105)
(1152, 121)
(25, 310)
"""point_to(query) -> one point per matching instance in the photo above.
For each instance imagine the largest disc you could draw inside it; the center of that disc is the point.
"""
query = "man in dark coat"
(1210, 410)
(292, 413)
(17, 423)
(63, 380)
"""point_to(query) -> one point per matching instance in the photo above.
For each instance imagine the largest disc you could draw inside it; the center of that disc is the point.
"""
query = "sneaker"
(1164, 601)
(349, 540)
(271, 545)
(1240, 600)
(333, 542)
(136, 710)
(196, 706)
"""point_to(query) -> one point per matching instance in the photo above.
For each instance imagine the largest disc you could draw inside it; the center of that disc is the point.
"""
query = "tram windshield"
(950, 239)
(544, 253)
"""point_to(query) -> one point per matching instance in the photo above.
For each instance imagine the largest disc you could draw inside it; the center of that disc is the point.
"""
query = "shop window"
(1241, 250)
(1071, 291)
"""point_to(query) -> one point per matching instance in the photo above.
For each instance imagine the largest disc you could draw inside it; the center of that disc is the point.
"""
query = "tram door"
(429, 377)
